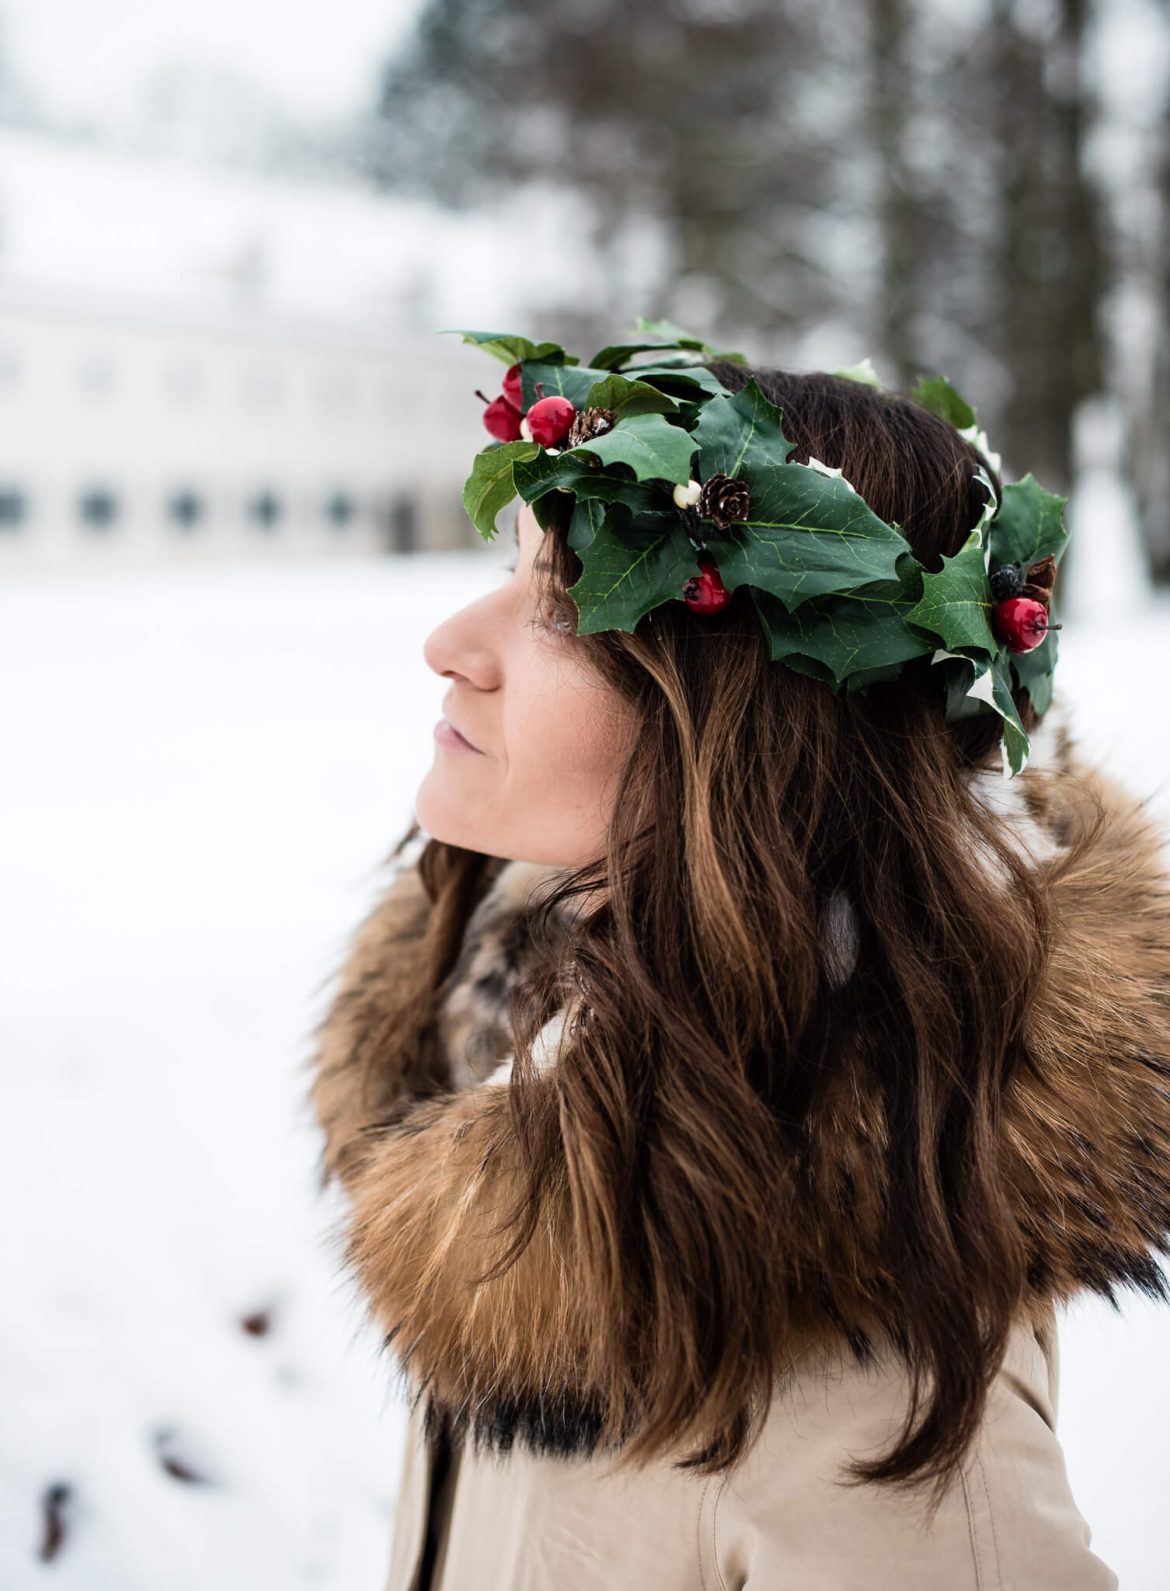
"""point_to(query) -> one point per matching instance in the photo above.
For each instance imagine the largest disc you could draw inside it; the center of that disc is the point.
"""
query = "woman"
(732, 1083)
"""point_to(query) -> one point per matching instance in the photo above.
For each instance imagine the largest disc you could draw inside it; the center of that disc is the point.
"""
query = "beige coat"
(528, 1503)
(532, 1523)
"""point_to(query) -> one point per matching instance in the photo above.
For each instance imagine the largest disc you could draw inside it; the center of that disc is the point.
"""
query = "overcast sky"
(81, 56)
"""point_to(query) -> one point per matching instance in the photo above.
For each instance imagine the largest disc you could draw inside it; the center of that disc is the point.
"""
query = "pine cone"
(1040, 579)
(589, 423)
(723, 500)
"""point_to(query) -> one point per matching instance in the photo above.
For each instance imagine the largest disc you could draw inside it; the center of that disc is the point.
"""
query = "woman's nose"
(461, 644)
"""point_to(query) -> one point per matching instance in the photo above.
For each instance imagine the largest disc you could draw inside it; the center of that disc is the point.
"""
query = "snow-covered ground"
(200, 775)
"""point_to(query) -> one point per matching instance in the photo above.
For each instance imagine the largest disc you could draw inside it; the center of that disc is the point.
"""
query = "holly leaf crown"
(683, 491)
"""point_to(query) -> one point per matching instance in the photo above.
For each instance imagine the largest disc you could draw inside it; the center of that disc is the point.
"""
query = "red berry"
(1021, 623)
(549, 420)
(705, 592)
(512, 388)
(502, 419)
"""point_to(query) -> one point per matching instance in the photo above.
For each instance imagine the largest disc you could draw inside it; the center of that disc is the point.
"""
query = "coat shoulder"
(788, 1515)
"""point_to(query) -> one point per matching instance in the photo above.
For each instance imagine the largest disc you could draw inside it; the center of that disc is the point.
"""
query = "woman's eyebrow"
(542, 560)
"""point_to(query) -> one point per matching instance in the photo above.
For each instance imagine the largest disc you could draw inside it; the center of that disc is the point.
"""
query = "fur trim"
(431, 1164)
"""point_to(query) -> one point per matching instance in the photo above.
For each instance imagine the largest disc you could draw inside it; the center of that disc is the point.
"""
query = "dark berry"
(1006, 581)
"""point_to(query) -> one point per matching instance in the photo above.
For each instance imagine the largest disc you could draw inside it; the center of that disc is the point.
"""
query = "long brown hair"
(695, 1092)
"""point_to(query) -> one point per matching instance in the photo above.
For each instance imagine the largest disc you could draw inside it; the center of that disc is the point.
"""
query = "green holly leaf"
(968, 684)
(1034, 670)
(1014, 743)
(863, 678)
(574, 382)
(508, 347)
(490, 485)
(863, 372)
(807, 535)
(578, 471)
(857, 632)
(956, 601)
(585, 521)
(676, 337)
(976, 684)
(1029, 525)
(629, 568)
(627, 397)
(739, 433)
(810, 666)
(652, 447)
(694, 383)
(549, 511)
(937, 395)
(616, 355)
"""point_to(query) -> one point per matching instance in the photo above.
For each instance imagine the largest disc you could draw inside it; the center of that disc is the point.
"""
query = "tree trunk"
(1049, 264)
(891, 86)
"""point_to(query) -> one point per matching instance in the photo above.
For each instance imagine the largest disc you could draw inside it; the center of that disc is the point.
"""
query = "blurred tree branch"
(911, 179)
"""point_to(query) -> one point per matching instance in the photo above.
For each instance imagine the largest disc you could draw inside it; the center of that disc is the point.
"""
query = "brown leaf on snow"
(53, 1501)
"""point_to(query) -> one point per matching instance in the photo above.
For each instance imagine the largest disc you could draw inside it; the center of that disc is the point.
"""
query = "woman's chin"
(442, 816)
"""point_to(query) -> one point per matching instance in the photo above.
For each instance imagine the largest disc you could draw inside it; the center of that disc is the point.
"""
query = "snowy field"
(200, 776)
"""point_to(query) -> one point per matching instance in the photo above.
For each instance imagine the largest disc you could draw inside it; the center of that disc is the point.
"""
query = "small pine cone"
(1040, 580)
(589, 423)
(723, 500)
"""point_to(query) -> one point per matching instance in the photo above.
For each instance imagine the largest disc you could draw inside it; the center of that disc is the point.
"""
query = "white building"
(184, 435)
(198, 363)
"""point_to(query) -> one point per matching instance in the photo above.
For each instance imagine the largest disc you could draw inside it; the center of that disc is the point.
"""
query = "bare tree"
(1150, 424)
(911, 177)
(1047, 260)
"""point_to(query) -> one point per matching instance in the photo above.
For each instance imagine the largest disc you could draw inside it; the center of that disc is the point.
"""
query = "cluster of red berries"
(1019, 622)
(549, 419)
(705, 592)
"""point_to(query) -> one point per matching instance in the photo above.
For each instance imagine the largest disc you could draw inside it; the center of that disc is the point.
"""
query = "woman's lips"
(447, 735)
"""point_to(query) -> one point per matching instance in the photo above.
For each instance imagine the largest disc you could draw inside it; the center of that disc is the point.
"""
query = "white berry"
(687, 496)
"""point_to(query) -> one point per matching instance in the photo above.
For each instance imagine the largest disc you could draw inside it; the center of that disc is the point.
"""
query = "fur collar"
(428, 1162)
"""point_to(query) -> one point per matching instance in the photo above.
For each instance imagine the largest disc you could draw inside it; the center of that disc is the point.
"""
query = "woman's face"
(550, 736)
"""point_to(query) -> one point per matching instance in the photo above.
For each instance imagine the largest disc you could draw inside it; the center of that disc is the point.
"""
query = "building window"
(98, 508)
(340, 510)
(403, 524)
(186, 509)
(13, 508)
(265, 509)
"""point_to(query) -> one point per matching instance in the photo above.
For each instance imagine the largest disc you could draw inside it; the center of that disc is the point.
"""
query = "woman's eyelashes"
(554, 615)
